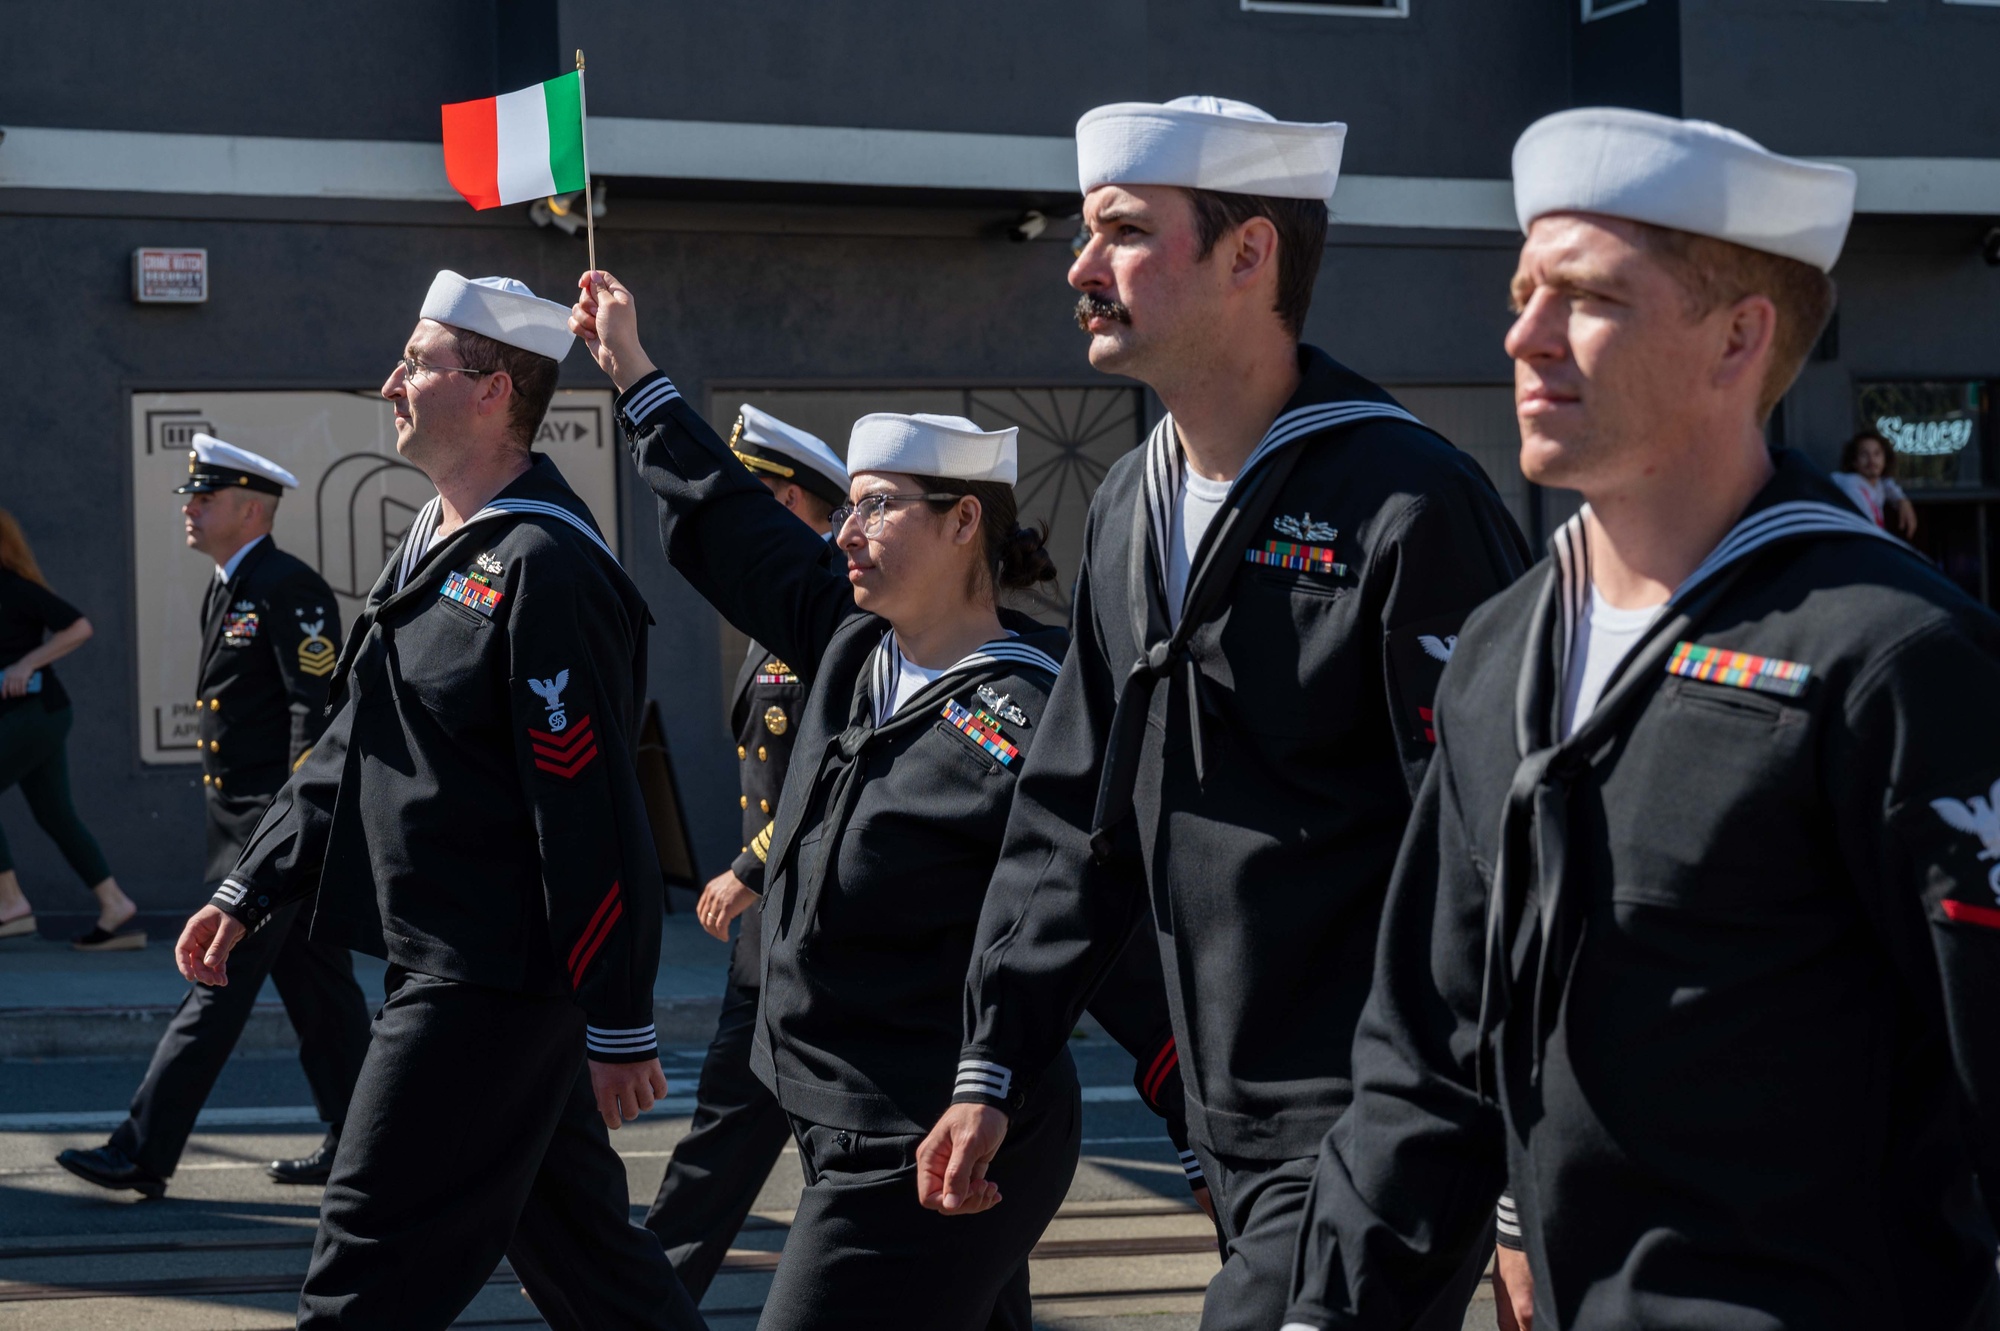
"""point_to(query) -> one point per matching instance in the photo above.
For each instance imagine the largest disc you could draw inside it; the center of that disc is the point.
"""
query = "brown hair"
(533, 377)
(1714, 273)
(1301, 227)
(16, 555)
(1850, 452)
(1016, 556)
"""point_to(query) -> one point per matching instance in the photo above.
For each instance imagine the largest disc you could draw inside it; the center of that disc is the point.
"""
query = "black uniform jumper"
(1740, 945)
(269, 637)
(739, 1130)
(886, 835)
(1249, 779)
(473, 814)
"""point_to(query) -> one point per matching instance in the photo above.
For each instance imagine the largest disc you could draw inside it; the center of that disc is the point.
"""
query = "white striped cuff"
(1298, 1326)
(1506, 1219)
(981, 1078)
(649, 398)
(1191, 1165)
(231, 893)
(631, 1040)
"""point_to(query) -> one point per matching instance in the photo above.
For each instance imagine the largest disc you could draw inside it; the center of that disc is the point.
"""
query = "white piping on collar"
(423, 529)
(885, 667)
(1166, 466)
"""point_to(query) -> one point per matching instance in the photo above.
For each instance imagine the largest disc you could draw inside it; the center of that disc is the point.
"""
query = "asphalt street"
(226, 1247)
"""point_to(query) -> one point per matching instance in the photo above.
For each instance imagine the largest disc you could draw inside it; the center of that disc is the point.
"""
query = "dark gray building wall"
(1891, 78)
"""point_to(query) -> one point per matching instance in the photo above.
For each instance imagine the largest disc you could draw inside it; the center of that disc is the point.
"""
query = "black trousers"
(474, 1135)
(718, 1169)
(316, 982)
(863, 1254)
(1258, 1207)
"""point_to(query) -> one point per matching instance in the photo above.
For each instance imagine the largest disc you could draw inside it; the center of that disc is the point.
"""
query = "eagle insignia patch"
(1436, 647)
(550, 691)
(316, 651)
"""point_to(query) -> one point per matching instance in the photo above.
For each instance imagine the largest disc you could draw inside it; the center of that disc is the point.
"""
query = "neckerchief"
(1251, 495)
(1534, 824)
(870, 719)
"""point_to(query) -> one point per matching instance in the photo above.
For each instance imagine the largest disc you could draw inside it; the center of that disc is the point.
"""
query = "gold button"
(742, 753)
(218, 783)
(215, 704)
(764, 806)
(205, 778)
(743, 801)
(761, 755)
(214, 745)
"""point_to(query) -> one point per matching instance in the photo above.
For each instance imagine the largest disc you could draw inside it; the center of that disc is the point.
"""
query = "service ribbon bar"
(985, 736)
(1290, 554)
(1739, 670)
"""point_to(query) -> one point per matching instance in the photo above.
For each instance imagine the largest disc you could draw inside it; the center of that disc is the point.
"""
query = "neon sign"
(1936, 438)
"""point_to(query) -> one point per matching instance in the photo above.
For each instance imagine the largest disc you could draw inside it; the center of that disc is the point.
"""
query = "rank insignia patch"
(1738, 670)
(565, 754)
(776, 721)
(316, 653)
(1292, 555)
(1002, 706)
(550, 691)
(982, 730)
(473, 594)
(239, 626)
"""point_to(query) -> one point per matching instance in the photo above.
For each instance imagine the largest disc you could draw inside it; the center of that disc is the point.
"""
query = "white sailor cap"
(1686, 174)
(927, 445)
(502, 309)
(768, 446)
(1209, 143)
(215, 465)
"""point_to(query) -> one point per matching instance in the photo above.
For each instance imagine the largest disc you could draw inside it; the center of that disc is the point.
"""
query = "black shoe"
(312, 1168)
(109, 1167)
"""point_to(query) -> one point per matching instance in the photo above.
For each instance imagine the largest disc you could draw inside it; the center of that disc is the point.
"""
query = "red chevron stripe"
(588, 929)
(576, 976)
(1164, 1062)
(568, 735)
(569, 772)
(1967, 913)
(567, 747)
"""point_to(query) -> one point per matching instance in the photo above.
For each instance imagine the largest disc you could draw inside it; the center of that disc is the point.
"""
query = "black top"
(1764, 1086)
(763, 713)
(473, 810)
(1276, 761)
(29, 612)
(888, 827)
(268, 646)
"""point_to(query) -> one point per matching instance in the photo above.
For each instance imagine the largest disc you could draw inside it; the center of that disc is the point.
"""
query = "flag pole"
(589, 201)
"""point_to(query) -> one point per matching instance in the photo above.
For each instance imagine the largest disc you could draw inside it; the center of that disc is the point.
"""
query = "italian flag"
(518, 146)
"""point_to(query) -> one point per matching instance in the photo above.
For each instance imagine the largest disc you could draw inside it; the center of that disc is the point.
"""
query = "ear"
(1256, 253)
(968, 514)
(1748, 329)
(495, 391)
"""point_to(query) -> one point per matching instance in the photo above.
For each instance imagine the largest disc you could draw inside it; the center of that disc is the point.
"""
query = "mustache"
(1090, 306)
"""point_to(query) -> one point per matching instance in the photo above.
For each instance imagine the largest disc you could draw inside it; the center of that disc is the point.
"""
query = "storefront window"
(1935, 429)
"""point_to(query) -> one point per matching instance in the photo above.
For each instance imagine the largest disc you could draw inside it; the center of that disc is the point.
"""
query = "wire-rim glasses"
(873, 510)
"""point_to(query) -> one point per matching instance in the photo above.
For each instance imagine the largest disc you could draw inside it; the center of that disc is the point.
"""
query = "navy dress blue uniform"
(887, 832)
(473, 815)
(739, 1129)
(1710, 982)
(1241, 772)
(269, 639)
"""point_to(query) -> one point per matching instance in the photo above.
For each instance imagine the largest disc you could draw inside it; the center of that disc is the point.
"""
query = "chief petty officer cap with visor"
(1688, 175)
(1210, 143)
(215, 465)
(503, 309)
(927, 445)
(769, 447)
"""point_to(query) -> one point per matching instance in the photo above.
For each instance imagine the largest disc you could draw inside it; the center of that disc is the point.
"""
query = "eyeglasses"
(413, 368)
(872, 510)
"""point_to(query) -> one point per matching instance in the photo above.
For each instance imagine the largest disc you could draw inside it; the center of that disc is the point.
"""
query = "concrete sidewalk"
(58, 1003)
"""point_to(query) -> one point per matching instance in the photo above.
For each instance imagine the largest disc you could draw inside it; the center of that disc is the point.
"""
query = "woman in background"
(37, 629)
(1868, 475)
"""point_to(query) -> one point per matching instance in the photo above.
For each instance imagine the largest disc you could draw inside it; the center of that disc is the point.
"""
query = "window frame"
(1331, 9)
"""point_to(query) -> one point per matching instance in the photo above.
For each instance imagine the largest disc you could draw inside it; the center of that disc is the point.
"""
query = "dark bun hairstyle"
(1016, 556)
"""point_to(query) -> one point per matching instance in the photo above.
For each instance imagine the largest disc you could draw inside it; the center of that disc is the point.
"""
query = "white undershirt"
(912, 680)
(227, 568)
(1602, 640)
(1200, 500)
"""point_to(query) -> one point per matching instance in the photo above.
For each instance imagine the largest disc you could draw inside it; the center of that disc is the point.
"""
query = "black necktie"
(218, 594)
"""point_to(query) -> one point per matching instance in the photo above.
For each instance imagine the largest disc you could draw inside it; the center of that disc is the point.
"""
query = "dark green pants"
(33, 757)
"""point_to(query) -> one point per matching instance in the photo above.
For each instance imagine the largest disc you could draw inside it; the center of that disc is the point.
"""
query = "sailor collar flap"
(1533, 843)
(1313, 412)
